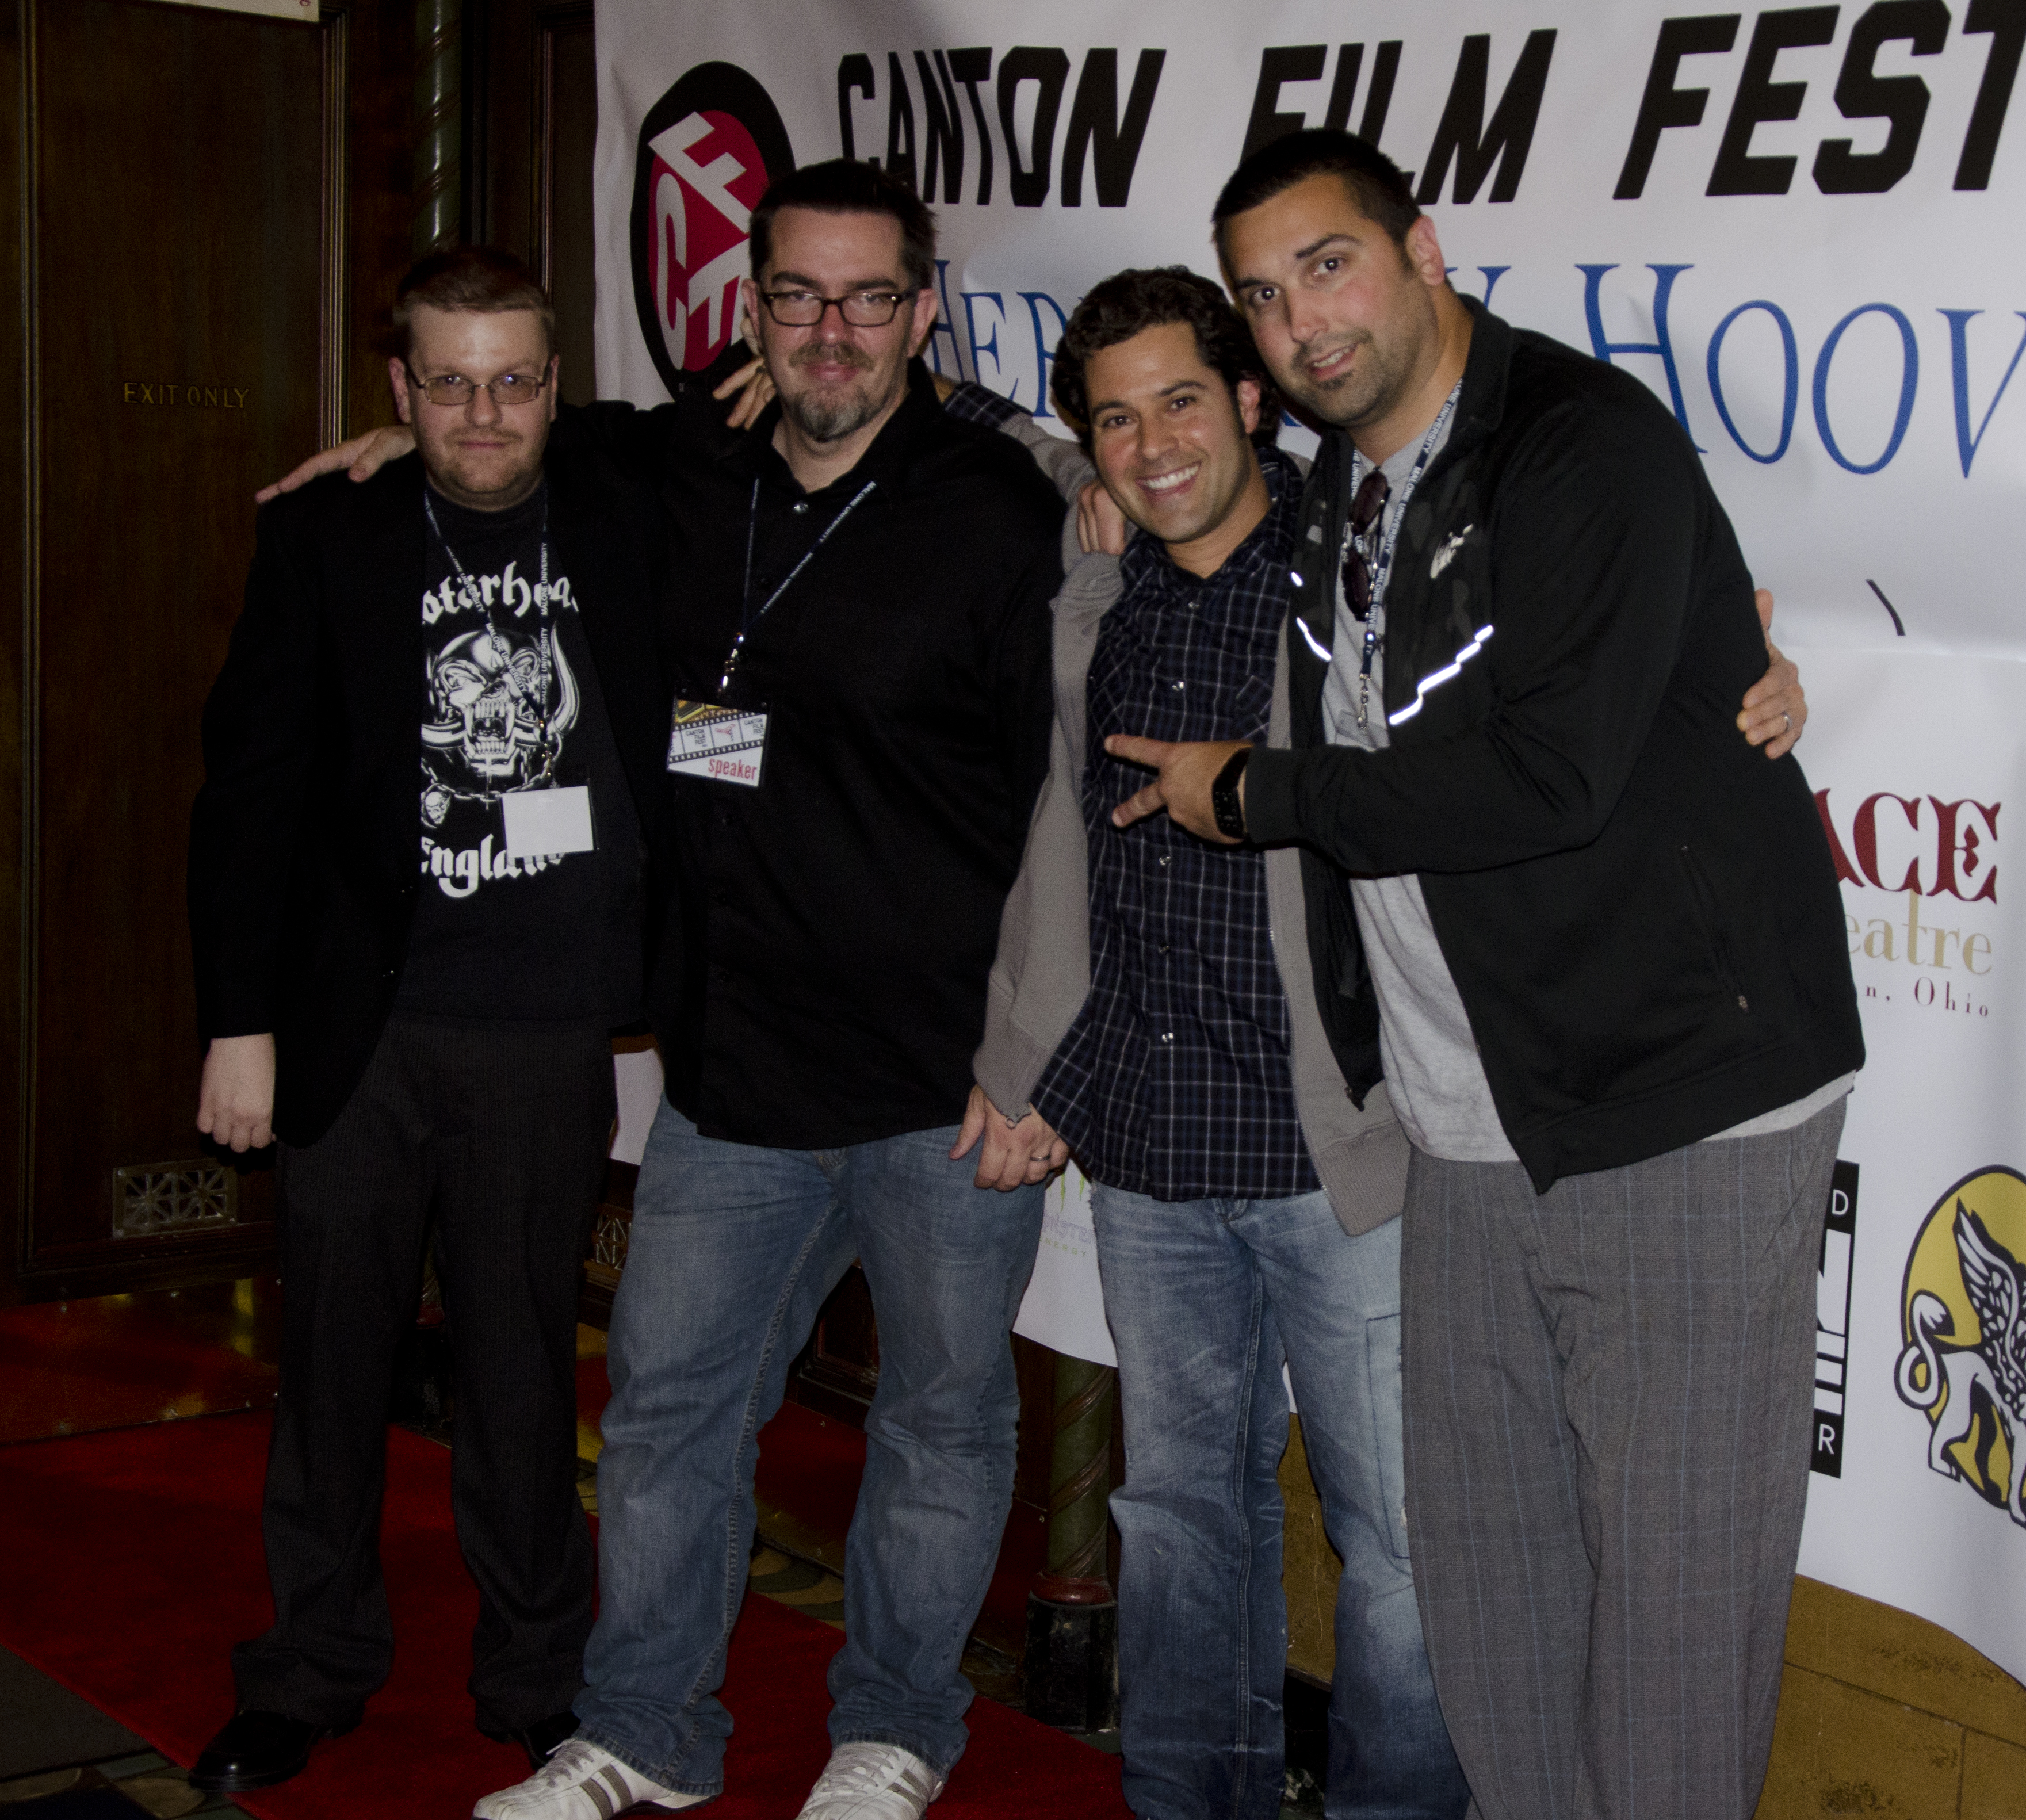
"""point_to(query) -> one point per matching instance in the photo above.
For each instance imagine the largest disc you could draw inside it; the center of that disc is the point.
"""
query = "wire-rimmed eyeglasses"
(507, 391)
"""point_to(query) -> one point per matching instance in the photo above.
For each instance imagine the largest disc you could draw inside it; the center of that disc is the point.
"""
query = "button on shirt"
(1175, 1080)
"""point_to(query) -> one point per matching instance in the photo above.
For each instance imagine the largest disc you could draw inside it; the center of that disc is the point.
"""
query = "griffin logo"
(707, 150)
(1964, 1327)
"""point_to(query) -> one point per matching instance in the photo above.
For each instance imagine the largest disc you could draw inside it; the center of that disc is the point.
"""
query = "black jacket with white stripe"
(1639, 910)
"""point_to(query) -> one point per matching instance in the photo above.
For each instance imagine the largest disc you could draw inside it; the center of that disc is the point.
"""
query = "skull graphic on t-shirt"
(483, 735)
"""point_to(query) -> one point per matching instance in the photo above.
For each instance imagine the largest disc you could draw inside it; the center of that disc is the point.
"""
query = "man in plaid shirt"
(1169, 1062)
(1246, 1207)
(1172, 1083)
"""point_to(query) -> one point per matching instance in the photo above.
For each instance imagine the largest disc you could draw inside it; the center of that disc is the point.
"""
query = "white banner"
(1800, 226)
(1916, 1497)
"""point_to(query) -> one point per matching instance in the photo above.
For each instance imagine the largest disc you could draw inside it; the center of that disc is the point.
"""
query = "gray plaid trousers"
(1608, 1390)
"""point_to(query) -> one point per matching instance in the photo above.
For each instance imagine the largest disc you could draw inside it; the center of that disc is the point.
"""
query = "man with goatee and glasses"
(859, 628)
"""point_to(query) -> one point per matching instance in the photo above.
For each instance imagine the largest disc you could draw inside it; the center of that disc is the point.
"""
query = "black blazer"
(303, 860)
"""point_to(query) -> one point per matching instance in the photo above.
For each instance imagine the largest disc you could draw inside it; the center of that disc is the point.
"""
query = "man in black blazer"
(463, 650)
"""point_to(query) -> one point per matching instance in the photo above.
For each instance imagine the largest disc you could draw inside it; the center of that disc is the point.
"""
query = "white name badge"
(725, 745)
(542, 823)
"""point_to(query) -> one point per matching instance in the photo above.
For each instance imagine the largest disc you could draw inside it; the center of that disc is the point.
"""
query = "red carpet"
(111, 1362)
(131, 1561)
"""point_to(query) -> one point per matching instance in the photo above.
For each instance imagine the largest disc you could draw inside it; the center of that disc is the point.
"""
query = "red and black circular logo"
(707, 151)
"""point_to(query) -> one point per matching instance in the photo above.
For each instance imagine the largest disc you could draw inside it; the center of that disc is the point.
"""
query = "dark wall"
(224, 202)
(532, 86)
(204, 216)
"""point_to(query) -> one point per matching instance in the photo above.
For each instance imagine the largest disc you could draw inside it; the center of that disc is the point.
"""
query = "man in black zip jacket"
(1594, 945)
(464, 650)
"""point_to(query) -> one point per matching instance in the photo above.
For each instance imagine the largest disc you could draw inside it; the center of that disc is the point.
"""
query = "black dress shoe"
(538, 1738)
(257, 1749)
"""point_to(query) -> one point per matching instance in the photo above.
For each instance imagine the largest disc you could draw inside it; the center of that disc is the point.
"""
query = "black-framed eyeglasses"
(861, 309)
(1365, 508)
(508, 390)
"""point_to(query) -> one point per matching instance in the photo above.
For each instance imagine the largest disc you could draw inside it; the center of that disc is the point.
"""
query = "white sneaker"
(579, 1781)
(872, 1781)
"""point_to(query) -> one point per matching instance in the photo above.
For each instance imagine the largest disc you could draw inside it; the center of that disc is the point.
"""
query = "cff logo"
(1964, 1363)
(707, 150)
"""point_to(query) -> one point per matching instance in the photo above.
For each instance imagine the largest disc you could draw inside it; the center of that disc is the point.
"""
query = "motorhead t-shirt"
(511, 703)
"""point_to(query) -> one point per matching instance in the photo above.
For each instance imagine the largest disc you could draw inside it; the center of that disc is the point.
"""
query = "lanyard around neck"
(1391, 516)
(1394, 514)
(545, 653)
(748, 619)
(463, 574)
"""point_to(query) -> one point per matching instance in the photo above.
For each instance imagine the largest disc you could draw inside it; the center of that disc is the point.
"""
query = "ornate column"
(439, 123)
(1070, 1672)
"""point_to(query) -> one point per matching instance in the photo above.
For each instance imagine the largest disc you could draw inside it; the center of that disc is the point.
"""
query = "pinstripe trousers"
(1607, 1393)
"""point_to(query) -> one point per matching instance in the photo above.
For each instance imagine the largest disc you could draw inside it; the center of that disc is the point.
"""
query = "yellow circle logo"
(1963, 1326)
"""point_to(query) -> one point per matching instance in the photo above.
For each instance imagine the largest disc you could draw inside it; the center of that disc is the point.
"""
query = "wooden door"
(183, 311)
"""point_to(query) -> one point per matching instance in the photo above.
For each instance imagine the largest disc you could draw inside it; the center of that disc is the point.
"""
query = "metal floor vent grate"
(160, 1197)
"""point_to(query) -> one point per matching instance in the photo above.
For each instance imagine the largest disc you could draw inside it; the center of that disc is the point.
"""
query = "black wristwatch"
(1223, 801)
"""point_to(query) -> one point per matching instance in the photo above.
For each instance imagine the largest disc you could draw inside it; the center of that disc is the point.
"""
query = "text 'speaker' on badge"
(725, 745)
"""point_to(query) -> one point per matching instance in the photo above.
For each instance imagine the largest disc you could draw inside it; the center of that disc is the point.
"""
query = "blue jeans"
(733, 1248)
(1206, 1300)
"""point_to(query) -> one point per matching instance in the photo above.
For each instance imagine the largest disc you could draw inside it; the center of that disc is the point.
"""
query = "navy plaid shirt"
(1174, 1081)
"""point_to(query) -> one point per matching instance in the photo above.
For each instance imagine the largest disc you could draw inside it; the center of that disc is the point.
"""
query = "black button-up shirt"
(823, 976)
(1175, 1080)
